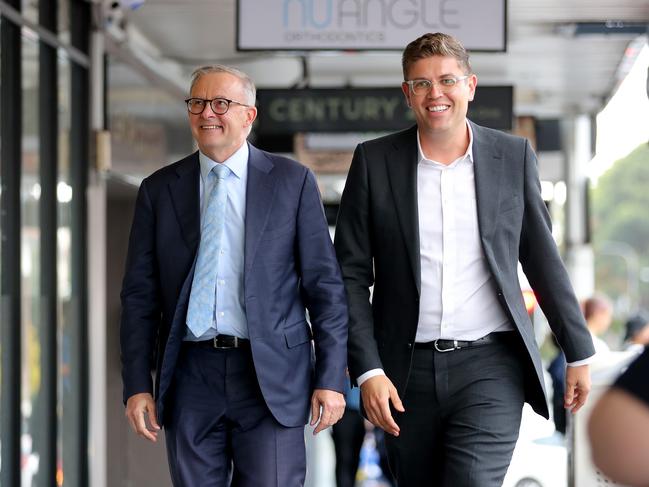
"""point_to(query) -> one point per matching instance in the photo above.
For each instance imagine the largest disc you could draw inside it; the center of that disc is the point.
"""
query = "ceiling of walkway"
(554, 71)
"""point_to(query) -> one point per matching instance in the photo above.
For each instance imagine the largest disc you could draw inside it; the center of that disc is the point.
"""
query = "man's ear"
(406, 92)
(473, 82)
(251, 115)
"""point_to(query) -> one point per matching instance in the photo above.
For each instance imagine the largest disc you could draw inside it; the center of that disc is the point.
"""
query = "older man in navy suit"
(228, 250)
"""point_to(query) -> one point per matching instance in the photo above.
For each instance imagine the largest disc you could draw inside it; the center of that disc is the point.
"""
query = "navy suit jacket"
(289, 267)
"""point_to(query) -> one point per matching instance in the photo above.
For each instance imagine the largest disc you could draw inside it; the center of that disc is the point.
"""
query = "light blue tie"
(203, 294)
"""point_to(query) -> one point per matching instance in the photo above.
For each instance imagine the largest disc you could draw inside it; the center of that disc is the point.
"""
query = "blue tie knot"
(221, 171)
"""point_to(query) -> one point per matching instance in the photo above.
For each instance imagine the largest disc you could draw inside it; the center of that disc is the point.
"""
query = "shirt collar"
(237, 162)
(468, 155)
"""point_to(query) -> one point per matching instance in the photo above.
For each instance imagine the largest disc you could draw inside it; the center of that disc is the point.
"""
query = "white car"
(540, 458)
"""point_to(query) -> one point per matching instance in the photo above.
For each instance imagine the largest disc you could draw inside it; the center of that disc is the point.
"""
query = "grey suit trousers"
(462, 416)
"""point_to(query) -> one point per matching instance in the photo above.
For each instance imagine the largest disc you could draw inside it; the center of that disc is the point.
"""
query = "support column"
(96, 198)
(579, 258)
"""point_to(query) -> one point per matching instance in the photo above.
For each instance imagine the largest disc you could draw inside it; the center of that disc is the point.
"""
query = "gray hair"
(246, 81)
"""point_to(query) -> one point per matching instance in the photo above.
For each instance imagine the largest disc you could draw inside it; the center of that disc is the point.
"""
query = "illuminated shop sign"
(367, 24)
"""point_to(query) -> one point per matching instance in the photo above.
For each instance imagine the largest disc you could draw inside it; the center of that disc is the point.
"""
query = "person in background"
(636, 335)
(598, 312)
(437, 218)
(348, 435)
(229, 248)
(619, 427)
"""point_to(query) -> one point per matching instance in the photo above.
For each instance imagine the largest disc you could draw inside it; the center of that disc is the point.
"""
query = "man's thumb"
(396, 401)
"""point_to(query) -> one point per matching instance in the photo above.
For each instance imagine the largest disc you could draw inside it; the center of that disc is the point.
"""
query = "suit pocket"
(509, 204)
(297, 334)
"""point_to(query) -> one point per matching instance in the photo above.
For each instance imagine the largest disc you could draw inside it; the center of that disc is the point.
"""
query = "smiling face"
(219, 136)
(440, 113)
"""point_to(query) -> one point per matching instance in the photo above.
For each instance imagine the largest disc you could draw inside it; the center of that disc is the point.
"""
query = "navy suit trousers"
(220, 431)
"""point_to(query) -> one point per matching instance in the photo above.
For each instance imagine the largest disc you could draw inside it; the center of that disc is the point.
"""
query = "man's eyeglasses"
(423, 86)
(219, 105)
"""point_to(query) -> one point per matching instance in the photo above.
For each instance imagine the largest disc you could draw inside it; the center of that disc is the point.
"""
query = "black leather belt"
(221, 341)
(444, 345)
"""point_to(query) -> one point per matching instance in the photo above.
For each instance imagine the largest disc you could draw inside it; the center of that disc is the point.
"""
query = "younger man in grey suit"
(437, 218)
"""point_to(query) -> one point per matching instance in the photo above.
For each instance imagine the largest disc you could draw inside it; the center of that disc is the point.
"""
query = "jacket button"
(409, 344)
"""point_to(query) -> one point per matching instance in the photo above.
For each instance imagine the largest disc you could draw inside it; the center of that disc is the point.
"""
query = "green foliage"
(621, 214)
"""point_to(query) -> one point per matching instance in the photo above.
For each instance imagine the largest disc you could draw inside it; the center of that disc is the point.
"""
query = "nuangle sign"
(367, 24)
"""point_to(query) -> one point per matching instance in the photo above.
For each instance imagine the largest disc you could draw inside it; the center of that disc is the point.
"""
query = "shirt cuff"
(585, 361)
(368, 375)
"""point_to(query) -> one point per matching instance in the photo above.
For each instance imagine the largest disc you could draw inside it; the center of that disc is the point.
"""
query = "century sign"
(283, 111)
(367, 24)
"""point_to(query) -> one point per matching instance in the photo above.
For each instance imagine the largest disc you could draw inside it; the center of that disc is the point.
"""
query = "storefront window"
(42, 380)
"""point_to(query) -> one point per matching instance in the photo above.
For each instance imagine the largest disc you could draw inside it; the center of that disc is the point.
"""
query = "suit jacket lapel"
(401, 165)
(488, 167)
(186, 200)
(260, 192)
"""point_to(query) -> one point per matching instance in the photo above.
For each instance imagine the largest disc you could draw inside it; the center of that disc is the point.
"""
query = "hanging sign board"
(304, 25)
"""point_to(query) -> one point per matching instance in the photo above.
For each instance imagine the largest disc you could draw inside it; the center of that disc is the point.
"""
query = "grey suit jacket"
(377, 243)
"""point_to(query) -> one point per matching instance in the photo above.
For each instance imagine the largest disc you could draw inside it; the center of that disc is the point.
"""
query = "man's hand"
(377, 392)
(137, 407)
(577, 387)
(327, 407)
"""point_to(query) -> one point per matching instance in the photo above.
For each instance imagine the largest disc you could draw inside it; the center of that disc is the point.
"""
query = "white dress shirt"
(458, 294)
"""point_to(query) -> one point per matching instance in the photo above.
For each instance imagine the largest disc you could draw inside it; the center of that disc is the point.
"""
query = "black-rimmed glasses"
(219, 106)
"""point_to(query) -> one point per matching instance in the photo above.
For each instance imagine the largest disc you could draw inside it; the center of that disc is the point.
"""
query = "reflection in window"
(148, 126)
(30, 192)
(63, 19)
(29, 10)
(66, 422)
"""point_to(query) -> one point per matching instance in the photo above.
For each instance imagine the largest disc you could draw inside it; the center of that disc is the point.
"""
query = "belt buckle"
(455, 346)
(217, 345)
